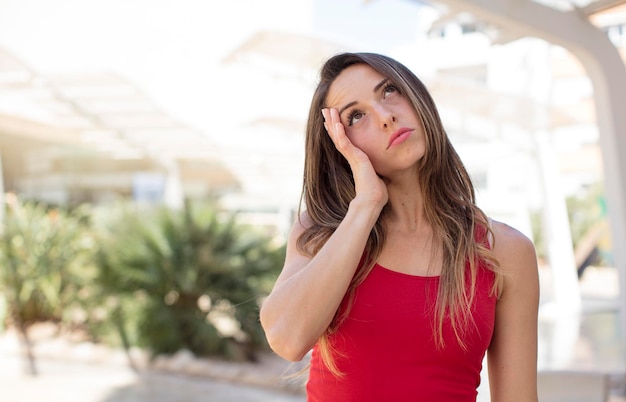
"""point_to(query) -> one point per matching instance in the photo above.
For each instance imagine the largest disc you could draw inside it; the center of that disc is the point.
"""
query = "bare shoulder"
(295, 260)
(300, 224)
(511, 245)
(518, 262)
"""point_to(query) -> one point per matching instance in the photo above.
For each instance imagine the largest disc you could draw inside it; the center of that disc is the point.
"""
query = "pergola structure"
(569, 24)
(94, 134)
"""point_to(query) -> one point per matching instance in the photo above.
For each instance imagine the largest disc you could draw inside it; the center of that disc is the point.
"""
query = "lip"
(399, 136)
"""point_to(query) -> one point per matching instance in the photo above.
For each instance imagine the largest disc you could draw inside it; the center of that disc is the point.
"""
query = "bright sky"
(172, 49)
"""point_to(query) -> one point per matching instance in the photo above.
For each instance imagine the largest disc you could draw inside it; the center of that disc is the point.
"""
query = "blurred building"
(93, 136)
(69, 139)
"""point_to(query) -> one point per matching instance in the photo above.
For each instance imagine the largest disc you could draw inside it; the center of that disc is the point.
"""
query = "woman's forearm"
(304, 301)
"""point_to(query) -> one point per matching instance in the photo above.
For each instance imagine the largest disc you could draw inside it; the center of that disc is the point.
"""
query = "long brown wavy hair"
(449, 200)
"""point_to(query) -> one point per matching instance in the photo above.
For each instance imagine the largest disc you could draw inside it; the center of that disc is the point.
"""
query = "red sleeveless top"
(386, 347)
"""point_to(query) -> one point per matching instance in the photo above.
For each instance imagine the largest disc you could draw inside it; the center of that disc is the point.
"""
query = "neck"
(406, 203)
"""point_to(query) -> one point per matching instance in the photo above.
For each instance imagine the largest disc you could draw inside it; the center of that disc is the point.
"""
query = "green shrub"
(45, 255)
(186, 279)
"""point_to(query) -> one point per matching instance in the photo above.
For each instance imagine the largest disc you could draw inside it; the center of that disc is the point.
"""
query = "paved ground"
(87, 373)
(62, 381)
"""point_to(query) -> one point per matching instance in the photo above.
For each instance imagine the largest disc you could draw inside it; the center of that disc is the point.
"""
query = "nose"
(386, 116)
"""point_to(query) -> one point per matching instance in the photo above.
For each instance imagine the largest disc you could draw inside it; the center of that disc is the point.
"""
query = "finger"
(334, 115)
(342, 142)
(330, 124)
(325, 113)
(337, 131)
(327, 123)
(338, 137)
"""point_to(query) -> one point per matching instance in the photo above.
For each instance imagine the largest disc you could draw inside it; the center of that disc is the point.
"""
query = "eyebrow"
(380, 84)
(345, 107)
(376, 88)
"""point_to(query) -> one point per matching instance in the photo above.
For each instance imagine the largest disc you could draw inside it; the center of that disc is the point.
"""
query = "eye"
(354, 117)
(390, 89)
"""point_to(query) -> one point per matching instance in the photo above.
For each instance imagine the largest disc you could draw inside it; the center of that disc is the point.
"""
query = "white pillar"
(606, 70)
(173, 196)
(557, 232)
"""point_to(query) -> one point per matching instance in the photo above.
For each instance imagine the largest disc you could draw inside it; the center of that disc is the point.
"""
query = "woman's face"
(378, 119)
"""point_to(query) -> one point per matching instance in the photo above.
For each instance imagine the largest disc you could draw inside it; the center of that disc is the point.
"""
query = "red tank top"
(386, 347)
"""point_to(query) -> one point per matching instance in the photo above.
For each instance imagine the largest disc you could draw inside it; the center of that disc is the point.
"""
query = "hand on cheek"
(368, 184)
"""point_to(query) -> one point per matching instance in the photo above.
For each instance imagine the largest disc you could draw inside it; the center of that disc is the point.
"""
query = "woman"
(393, 276)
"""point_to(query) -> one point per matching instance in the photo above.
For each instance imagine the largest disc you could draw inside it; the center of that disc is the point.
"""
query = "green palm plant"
(181, 277)
(45, 254)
